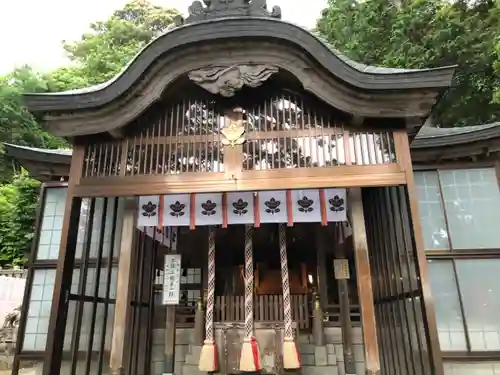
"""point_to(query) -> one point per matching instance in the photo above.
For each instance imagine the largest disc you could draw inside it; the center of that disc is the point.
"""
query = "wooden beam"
(364, 278)
(402, 148)
(299, 178)
(64, 272)
(123, 287)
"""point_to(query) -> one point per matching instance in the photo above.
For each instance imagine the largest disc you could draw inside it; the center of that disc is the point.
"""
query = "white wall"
(11, 294)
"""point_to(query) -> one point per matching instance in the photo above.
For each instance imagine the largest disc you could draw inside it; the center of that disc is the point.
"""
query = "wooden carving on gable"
(227, 80)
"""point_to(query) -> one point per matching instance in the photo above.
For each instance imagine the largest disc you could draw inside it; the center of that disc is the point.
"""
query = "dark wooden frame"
(32, 265)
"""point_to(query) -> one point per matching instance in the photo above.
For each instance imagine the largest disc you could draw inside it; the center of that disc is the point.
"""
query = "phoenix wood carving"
(226, 80)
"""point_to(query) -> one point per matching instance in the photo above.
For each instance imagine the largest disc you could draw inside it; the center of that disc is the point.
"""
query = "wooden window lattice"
(281, 133)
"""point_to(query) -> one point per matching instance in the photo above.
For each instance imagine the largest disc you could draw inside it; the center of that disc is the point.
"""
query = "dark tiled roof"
(429, 137)
(66, 152)
(38, 154)
(367, 69)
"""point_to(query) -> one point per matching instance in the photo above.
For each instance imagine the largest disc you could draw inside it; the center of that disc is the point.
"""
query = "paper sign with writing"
(171, 279)
(341, 269)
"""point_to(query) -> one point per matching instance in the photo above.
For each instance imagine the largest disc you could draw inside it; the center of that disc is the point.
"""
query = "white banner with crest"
(273, 206)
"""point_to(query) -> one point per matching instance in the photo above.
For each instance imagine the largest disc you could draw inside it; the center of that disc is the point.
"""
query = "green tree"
(496, 65)
(96, 58)
(17, 125)
(425, 34)
(110, 45)
(18, 202)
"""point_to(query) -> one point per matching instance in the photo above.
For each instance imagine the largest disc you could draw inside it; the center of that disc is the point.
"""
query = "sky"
(31, 31)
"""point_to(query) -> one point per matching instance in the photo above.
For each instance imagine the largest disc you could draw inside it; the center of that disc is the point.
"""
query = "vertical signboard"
(172, 279)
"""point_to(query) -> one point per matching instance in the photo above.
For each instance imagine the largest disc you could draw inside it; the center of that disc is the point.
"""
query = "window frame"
(33, 264)
(453, 255)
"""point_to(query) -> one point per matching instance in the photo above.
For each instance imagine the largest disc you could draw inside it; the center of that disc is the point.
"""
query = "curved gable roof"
(233, 28)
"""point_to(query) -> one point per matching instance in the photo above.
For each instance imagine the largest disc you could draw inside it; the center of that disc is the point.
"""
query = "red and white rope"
(209, 323)
(249, 281)
(287, 311)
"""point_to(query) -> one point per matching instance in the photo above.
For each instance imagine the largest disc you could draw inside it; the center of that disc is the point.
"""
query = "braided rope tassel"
(250, 356)
(291, 358)
(208, 357)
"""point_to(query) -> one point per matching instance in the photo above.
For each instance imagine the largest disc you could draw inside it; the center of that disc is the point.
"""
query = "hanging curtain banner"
(165, 236)
(276, 206)
(177, 210)
(335, 200)
(208, 209)
(240, 208)
(173, 237)
(306, 206)
(148, 211)
(273, 206)
(155, 233)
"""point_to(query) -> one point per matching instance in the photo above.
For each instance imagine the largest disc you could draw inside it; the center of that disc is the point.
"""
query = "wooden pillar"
(321, 298)
(170, 323)
(170, 318)
(345, 309)
(199, 322)
(372, 357)
(402, 149)
(65, 265)
(321, 266)
(124, 287)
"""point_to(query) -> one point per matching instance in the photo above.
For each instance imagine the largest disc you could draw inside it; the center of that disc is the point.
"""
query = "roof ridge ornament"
(213, 9)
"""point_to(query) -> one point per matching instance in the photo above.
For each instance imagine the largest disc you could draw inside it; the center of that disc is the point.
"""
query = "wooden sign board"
(341, 269)
(172, 279)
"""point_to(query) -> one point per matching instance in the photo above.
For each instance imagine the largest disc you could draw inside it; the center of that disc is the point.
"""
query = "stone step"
(318, 355)
(191, 370)
(310, 355)
(304, 338)
(193, 356)
(317, 370)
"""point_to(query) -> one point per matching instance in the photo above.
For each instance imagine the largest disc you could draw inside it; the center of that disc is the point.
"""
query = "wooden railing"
(332, 315)
(269, 308)
(266, 308)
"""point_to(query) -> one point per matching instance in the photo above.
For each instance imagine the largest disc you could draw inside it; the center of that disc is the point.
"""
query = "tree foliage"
(97, 57)
(426, 34)
(111, 44)
(496, 65)
(18, 203)
(17, 125)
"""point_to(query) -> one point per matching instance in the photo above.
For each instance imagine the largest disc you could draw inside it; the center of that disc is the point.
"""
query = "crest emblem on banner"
(245, 207)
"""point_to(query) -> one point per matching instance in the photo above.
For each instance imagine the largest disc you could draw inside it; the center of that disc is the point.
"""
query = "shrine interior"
(311, 251)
